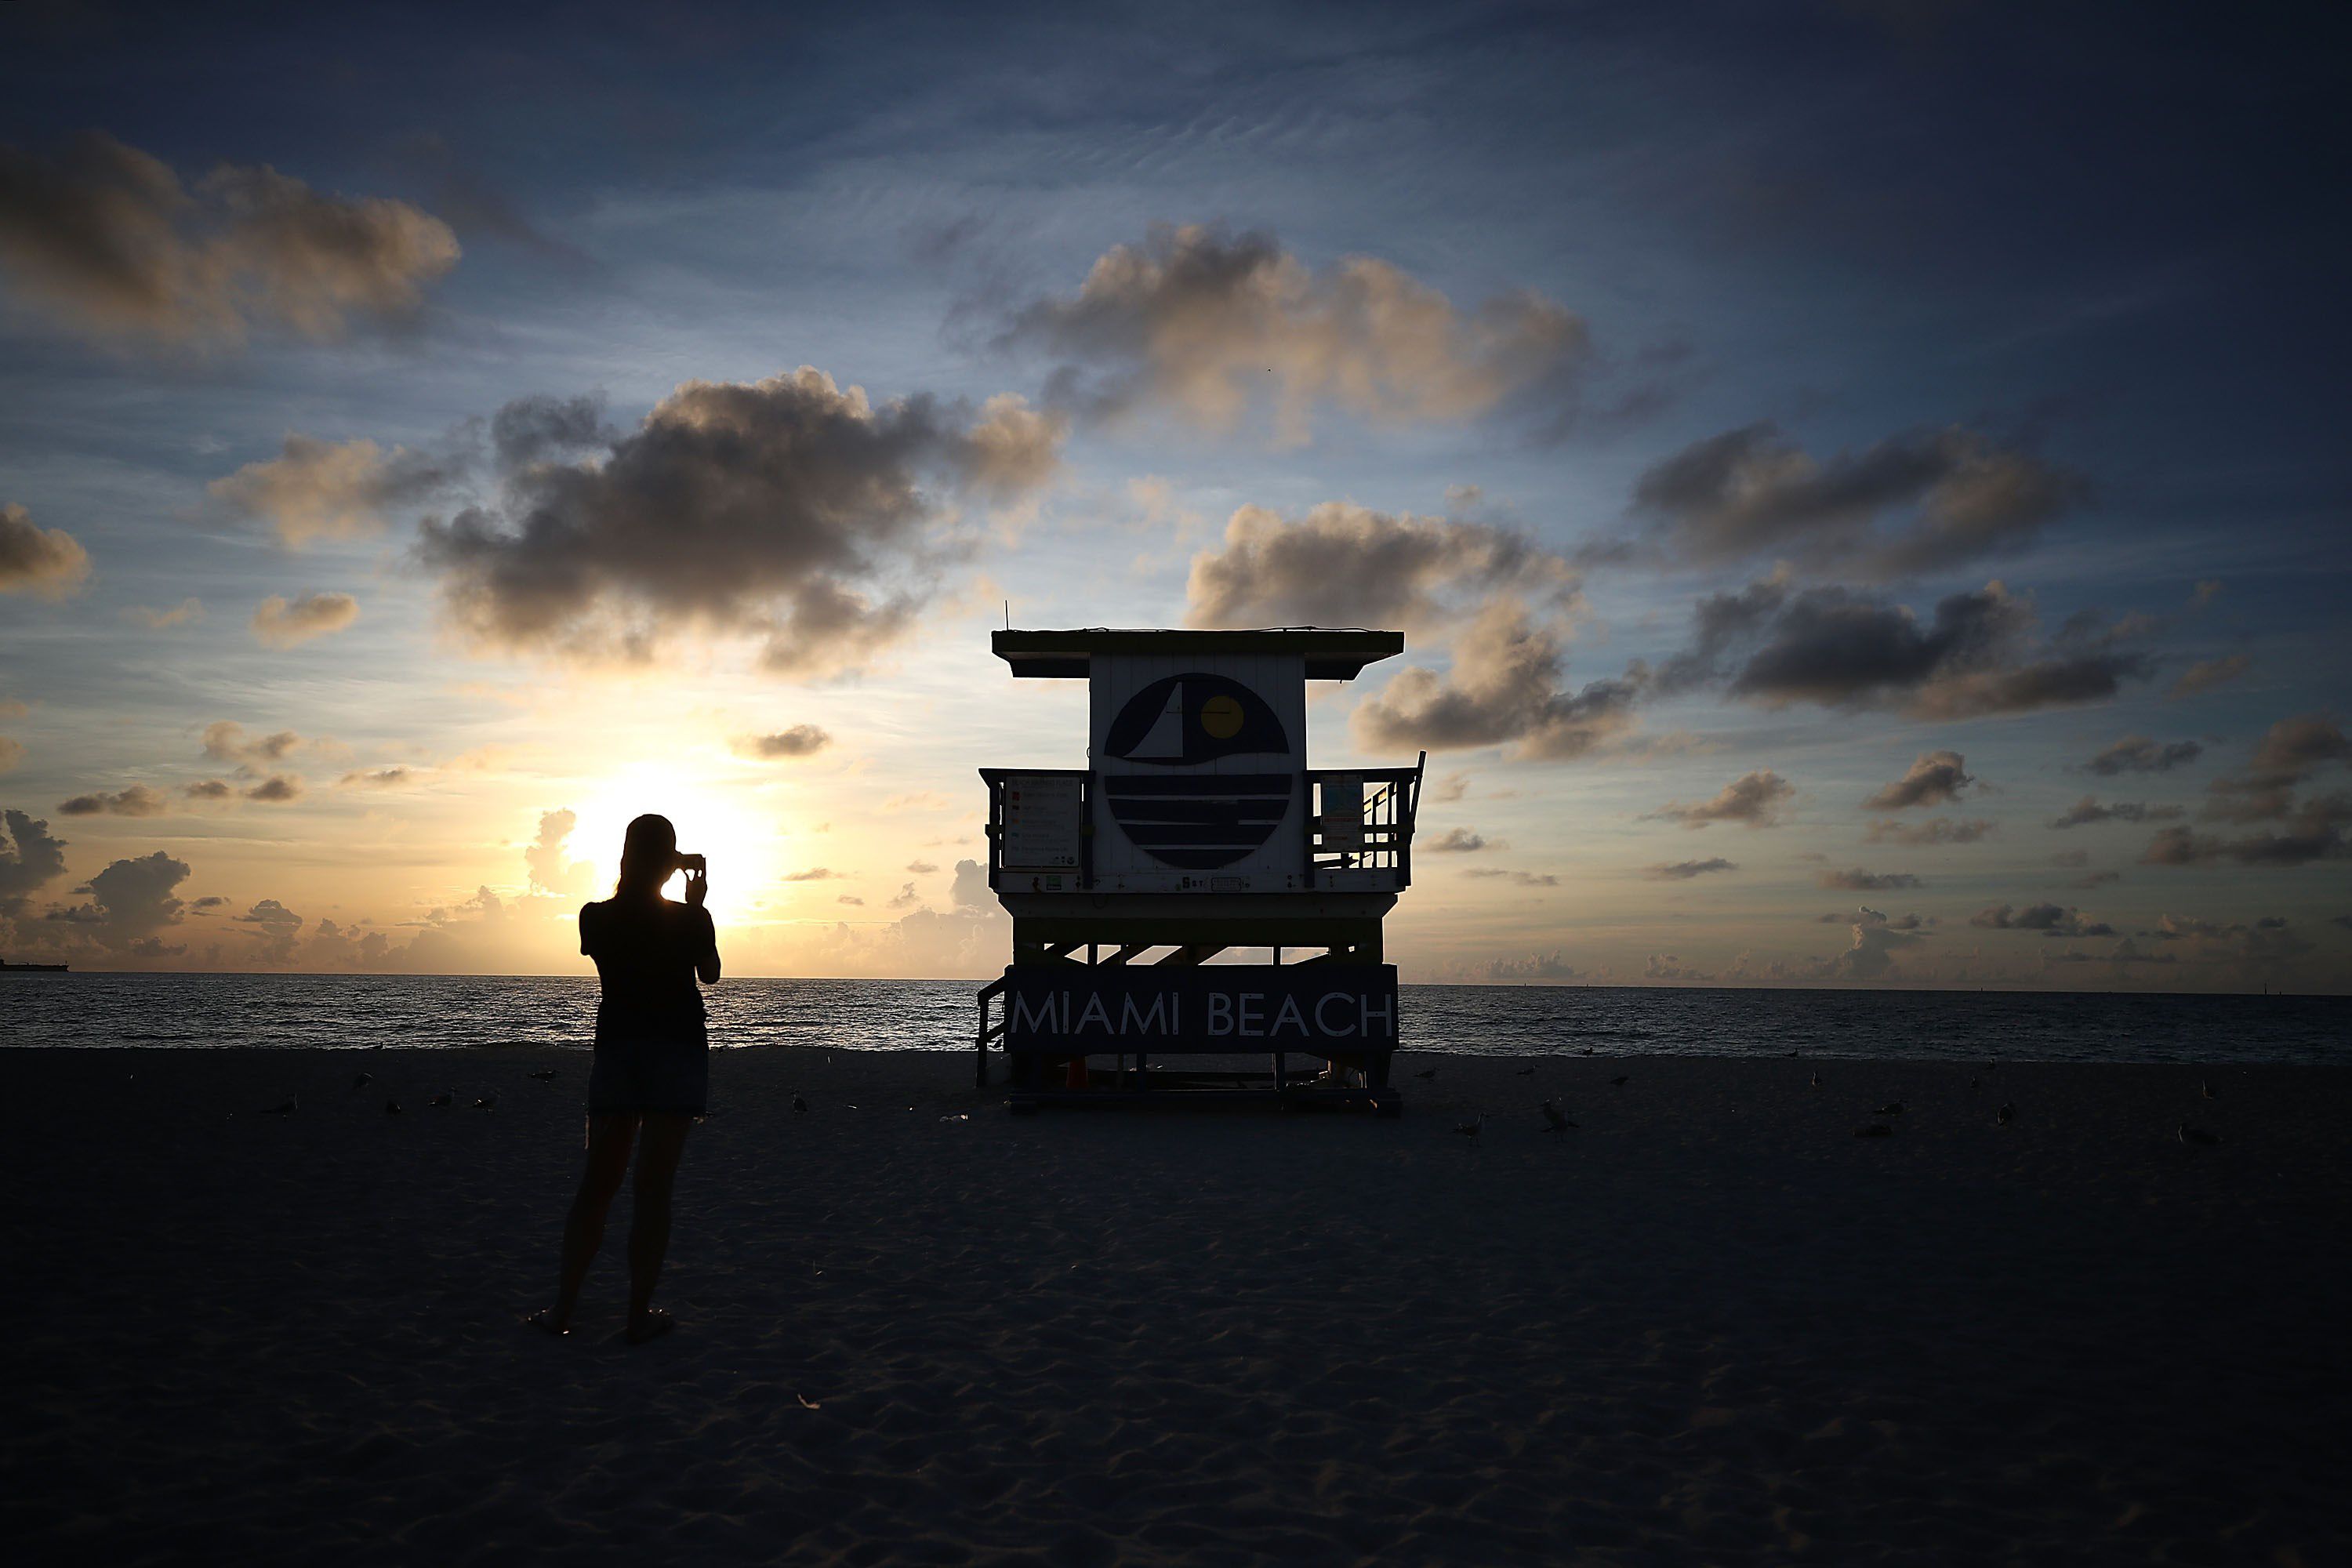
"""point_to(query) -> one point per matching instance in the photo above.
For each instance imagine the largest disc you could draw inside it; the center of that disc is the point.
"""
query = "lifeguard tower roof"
(1332, 654)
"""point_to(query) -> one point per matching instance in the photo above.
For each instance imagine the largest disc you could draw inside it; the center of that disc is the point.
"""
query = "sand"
(1709, 1325)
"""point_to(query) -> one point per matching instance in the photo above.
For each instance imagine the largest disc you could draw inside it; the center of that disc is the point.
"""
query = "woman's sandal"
(652, 1326)
(544, 1321)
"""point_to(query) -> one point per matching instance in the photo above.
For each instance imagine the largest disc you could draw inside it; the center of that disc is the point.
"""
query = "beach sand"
(1709, 1325)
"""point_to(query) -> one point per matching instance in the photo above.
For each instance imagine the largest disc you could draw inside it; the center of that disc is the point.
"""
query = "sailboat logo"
(1196, 820)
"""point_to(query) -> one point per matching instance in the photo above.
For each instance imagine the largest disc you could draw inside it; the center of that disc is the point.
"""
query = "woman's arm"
(705, 961)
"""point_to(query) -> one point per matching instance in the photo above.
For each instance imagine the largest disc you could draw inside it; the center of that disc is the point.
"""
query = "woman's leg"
(658, 1156)
(583, 1228)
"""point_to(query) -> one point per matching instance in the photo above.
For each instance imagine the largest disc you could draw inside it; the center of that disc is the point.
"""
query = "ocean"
(361, 1012)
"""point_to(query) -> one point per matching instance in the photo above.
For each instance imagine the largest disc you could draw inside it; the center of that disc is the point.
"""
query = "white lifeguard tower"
(1195, 828)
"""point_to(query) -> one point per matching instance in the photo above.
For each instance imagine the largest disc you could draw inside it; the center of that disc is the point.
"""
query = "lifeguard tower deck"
(1195, 829)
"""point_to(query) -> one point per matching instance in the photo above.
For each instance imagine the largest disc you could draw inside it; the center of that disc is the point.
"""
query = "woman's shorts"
(637, 1073)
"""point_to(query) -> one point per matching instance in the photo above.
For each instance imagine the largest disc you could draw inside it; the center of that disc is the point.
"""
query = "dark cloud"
(108, 239)
(800, 741)
(29, 858)
(2315, 833)
(278, 927)
(130, 902)
(1518, 878)
(1456, 841)
(2139, 754)
(1933, 778)
(787, 509)
(1753, 800)
(1876, 940)
(280, 624)
(226, 742)
(2088, 811)
(1213, 326)
(210, 902)
(1950, 496)
(2207, 674)
(1775, 644)
(2287, 757)
(276, 790)
(1504, 688)
(1937, 830)
(46, 561)
(1684, 871)
(209, 789)
(2050, 920)
(1858, 880)
(1342, 565)
(138, 800)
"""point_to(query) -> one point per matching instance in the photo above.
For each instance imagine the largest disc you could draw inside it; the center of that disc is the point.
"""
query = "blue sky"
(2053, 299)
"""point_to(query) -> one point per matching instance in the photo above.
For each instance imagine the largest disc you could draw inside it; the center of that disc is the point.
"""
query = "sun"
(742, 838)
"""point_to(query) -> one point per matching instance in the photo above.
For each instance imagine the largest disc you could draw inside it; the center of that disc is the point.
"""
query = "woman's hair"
(648, 854)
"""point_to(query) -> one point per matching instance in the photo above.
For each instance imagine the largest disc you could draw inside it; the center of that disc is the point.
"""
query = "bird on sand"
(361, 1081)
(1552, 1114)
(487, 1102)
(544, 1077)
(443, 1101)
(1618, 1083)
(2205, 1089)
(1876, 1129)
(293, 1103)
(2188, 1134)
(391, 1107)
(1430, 1074)
(1817, 1080)
(1892, 1108)
(1525, 1072)
(1470, 1129)
(800, 1106)
(2001, 1117)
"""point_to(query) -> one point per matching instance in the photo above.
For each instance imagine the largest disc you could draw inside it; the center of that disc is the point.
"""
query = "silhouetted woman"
(653, 1062)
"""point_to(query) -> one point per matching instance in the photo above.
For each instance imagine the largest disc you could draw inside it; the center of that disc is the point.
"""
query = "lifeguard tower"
(1196, 828)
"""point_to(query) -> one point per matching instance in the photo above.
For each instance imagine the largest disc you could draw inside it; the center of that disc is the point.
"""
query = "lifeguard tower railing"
(1359, 820)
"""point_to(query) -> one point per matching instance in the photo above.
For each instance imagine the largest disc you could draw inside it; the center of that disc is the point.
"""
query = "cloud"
(849, 899)
(2207, 674)
(45, 561)
(906, 896)
(375, 778)
(1774, 645)
(1875, 940)
(12, 752)
(130, 903)
(800, 741)
(1957, 495)
(2315, 833)
(2287, 757)
(138, 800)
(1684, 871)
(1517, 878)
(1449, 787)
(1933, 779)
(224, 742)
(209, 789)
(278, 929)
(970, 891)
(2139, 754)
(1342, 565)
(277, 789)
(277, 623)
(1456, 841)
(1668, 966)
(317, 489)
(921, 868)
(1504, 688)
(786, 509)
(1753, 799)
(2088, 811)
(545, 863)
(107, 239)
(1858, 880)
(813, 874)
(2050, 920)
(188, 612)
(29, 858)
(1213, 326)
(1937, 830)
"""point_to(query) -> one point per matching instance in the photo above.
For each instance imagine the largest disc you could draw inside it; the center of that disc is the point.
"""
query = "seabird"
(1817, 1080)
(443, 1101)
(2205, 1089)
(487, 1102)
(391, 1107)
(1470, 1129)
(2198, 1135)
(1525, 1072)
(293, 1103)
(1892, 1108)
(1876, 1129)
(1551, 1112)
(800, 1106)
(543, 1076)
(361, 1081)
(2000, 1117)
(1619, 1081)
(1430, 1074)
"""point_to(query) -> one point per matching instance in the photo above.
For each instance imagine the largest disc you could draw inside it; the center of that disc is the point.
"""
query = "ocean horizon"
(270, 1010)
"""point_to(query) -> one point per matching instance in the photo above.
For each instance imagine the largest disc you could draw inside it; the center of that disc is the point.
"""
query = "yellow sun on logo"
(1221, 717)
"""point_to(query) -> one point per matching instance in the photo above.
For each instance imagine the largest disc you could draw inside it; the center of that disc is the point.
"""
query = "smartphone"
(694, 863)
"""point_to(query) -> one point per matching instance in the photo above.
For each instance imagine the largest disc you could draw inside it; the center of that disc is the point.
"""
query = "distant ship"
(45, 968)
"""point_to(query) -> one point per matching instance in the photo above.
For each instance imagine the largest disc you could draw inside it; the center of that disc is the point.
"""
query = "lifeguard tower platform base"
(1196, 830)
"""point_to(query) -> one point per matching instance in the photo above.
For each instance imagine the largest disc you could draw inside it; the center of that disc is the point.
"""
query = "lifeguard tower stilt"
(1197, 827)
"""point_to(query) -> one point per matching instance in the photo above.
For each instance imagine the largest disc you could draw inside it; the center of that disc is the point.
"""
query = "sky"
(1863, 485)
